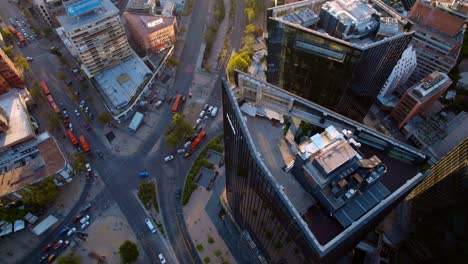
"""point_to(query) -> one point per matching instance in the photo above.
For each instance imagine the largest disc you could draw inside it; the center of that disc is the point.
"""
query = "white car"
(82, 103)
(71, 231)
(29, 58)
(161, 258)
(85, 225)
(180, 151)
(168, 158)
(77, 113)
(84, 219)
(88, 167)
(202, 113)
(198, 121)
(209, 109)
(70, 126)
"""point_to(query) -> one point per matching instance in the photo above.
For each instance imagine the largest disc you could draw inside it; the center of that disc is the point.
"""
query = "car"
(66, 123)
(86, 109)
(65, 114)
(205, 118)
(178, 192)
(198, 121)
(143, 174)
(47, 247)
(86, 126)
(209, 109)
(51, 258)
(66, 243)
(206, 107)
(168, 158)
(71, 231)
(77, 113)
(187, 144)
(29, 58)
(84, 219)
(161, 258)
(43, 258)
(58, 244)
(82, 103)
(199, 129)
(88, 167)
(70, 126)
(202, 113)
(62, 106)
(158, 104)
(77, 218)
(187, 154)
(86, 208)
(64, 231)
(84, 225)
(180, 151)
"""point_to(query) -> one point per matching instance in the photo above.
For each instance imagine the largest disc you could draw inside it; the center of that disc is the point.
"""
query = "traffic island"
(148, 197)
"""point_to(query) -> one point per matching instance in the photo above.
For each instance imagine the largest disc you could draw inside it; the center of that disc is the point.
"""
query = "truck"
(72, 137)
(136, 122)
(150, 225)
(197, 140)
(84, 144)
(175, 106)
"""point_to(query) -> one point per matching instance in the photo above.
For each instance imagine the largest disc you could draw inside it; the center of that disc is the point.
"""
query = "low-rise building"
(151, 33)
(141, 6)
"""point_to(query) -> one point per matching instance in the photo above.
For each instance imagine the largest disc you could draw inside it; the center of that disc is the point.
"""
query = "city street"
(120, 174)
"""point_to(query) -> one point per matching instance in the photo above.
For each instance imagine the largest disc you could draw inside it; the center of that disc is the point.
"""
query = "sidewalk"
(218, 44)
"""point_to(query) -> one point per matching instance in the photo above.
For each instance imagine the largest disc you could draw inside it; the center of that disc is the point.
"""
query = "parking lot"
(21, 25)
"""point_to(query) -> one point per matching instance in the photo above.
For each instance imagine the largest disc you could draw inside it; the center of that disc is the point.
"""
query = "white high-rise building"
(401, 72)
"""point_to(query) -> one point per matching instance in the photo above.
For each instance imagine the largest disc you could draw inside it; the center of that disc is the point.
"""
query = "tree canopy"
(79, 161)
(9, 52)
(239, 61)
(68, 259)
(53, 120)
(128, 252)
(178, 131)
(39, 195)
(21, 62)
(104, 118)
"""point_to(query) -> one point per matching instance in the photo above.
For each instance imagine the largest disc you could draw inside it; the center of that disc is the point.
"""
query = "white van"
(150, 225)
(214, 111)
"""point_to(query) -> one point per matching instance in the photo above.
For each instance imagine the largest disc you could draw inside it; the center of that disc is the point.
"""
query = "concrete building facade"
(98, 38)
(10, 76)
(141, 6)
(49, 10)
(151, 33)
(402, 71)
(418, 97)
(438, 38)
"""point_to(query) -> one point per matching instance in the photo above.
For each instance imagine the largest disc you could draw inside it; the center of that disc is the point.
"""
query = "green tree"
(47, 31)
(9, 52)
(68, 259)
(172, 61)
(239, 61)
(250, 12)
(128, 252)
(21, 62)
(104, 118)
(53, 120)
(11, 214)
(39, 195)
(61, 75)
(248, 42)
(6, 34)
(79, 161)
(178, 130)
(250, 29)
(35, 90)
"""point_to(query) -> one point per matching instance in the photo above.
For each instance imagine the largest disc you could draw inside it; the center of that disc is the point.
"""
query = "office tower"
(438, 210)
(97, 35)
(340, 58)
(438, 38)
(304, 191)
(400, 74)
(10, 76)
(420, 96)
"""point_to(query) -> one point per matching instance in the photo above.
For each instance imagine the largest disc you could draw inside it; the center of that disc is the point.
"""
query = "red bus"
(53, 105)
(197, 140)
(72, 137)
(12, 30)
(175, 106)
(84, 143)
(44, 87)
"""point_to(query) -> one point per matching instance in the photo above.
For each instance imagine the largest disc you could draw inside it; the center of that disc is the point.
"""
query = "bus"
(197, 140)
(12, 30)
(84, 144)
(175, 106)
(53, 105)
(44, 87)
(72, 137)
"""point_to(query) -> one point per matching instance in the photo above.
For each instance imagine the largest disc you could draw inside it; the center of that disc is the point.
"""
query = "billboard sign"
(82, 7)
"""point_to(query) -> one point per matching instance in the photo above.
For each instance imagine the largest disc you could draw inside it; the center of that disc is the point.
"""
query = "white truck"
(136, 122)
(150, 225)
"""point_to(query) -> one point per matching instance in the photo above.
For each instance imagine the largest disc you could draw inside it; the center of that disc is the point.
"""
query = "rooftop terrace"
(106, 8)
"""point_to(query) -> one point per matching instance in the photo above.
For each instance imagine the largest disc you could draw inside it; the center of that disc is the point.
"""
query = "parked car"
(51, 258)
(158, 104)
(187, 154)
(168, 158)
(47, 247)
(88, 167)
(65, 114)
(209, 109)
(77, 218)
(70, 126)
(66, 123)
(198, 121)
(162, 259)
(86, 208)
(29, 58)
(58, 244)
(77, 113)
(82, 103)
(84, 219)
(180, 151)
(84, 225)
(71, 231)
(64, 231)
(187, 144)
(202, 113)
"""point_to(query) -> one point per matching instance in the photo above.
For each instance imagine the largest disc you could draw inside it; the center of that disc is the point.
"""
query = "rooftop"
(334, 179)
(69, 23)
(19, 123)
(350, 21)
(40, 158)
(430, 85)
(121, 82)
(148, 24)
